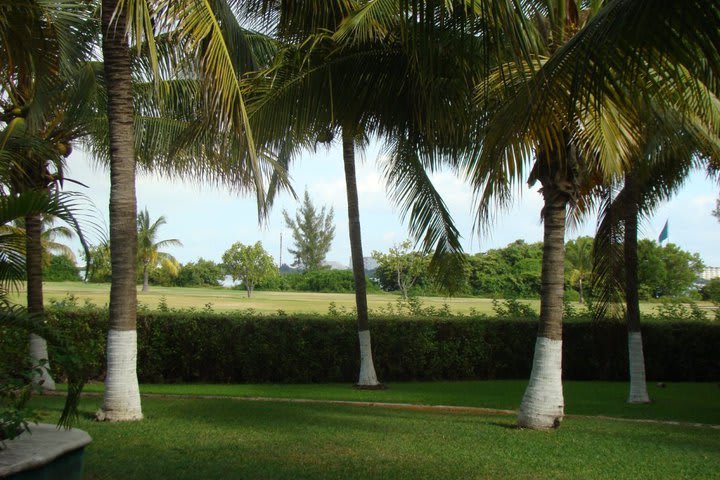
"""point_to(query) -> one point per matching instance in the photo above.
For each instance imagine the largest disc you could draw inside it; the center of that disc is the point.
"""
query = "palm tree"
(667, 159)
(569, 100)
(201, 33)
(41, 100)
(334, 80)
(122, 395)
(578, 254)
(49, 236)
(149, 254)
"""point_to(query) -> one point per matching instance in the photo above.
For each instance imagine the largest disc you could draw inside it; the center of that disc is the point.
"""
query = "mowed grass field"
(226, 299)
(188, 439)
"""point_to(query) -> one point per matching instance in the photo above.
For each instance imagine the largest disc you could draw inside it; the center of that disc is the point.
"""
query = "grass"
(687, 402)
(229, 439)
(224, 299)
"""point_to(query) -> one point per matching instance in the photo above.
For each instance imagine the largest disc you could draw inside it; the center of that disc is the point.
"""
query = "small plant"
(208, 308)
(683, 312)
(15, 392)
(338, 312)
(70, 301)
(512, 308)
(162, 305)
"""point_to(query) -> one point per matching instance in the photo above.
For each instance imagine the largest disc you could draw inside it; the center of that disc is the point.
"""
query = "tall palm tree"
(276, 108)
(122, 395)
(203, 34)
(667, 159)
(336, 80)
(42, 99)
(575, 94)
(149, 254)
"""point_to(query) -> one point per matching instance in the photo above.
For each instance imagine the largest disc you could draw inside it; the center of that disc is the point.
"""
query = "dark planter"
(44, 453)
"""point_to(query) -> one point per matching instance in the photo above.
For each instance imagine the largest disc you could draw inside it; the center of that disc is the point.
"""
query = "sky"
(208, 220)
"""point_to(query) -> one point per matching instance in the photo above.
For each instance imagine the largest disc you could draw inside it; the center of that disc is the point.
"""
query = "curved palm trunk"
(367, 376)
(543, 404)
(122, 395)
(33, 268)
(638, 386)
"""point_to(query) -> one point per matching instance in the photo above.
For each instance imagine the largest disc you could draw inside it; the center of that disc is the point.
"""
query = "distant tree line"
(509, 272)
(514, 271)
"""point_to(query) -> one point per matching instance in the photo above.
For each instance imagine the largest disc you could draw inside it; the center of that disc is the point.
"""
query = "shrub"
(61, 269)
(711, 291)
(200, 346)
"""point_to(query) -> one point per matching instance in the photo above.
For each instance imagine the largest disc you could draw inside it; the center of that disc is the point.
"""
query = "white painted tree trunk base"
(367, 377)
(543, 405)
(122, 392)
(638, 384)
(39, 357)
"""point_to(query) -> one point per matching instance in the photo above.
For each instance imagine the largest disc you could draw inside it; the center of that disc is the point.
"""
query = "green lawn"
(223, 299)
(230, 439)
(687, 402)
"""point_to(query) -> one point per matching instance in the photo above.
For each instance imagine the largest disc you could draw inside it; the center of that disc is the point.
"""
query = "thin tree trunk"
(33, 269)
(146, 276)
(582, 297)
(122, 394)
(367, 376)
(542, 405)
(638, 386)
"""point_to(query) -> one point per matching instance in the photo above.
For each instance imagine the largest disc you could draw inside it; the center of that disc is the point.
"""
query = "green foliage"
(149, 255)
(324, 281)
(72, 346)
(244, 347)
(679, 312)
(16, 372)
(312, 232)
(579, 263)
(61, 269)
(666, 271)
(711, 290)
(513, 271)
(401, 268)
(98, 259)
(249, 264)
(200, 273)
(512, 308)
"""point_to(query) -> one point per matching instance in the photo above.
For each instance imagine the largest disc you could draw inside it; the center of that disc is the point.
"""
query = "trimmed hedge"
(231, 348)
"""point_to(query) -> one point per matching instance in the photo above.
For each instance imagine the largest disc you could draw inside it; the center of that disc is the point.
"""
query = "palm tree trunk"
(146, 274)
(542, 405)
(638, 386)
(122, 394)
(582, 297)
(367, 376)
(33, 269)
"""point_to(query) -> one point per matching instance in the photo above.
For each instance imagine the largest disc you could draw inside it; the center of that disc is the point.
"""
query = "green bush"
(198, 346)
(711, 291)
(61, 269)
(325, 281)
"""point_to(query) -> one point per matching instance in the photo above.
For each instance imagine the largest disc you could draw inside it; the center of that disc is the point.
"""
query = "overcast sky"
(208, 220)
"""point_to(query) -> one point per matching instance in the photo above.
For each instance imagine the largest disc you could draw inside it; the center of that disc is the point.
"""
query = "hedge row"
(209, 347)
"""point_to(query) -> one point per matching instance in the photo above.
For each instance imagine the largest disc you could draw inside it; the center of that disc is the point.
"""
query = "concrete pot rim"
(43, 444)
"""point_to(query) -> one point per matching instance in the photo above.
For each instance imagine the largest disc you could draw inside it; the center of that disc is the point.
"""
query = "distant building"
(710, 272)
(335, 265)
(370, 264)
